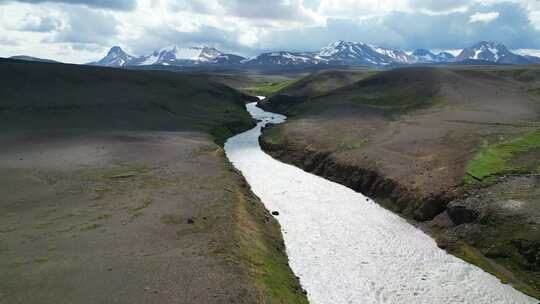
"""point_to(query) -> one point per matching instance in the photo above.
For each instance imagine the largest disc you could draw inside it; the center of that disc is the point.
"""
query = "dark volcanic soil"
(406, 137)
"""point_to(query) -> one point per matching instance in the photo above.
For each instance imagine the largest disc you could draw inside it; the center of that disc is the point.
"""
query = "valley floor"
(133, 217)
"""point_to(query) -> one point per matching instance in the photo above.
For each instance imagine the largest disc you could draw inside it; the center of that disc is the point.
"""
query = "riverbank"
(476, 245)
(407, 137)
(346, 248)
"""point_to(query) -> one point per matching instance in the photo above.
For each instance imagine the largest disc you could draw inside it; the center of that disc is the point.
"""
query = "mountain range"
(336, 53)
(172, 55)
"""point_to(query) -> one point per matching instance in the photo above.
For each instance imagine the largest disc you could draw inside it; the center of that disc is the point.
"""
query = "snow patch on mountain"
(493, 52)
(116, 57)
(171, 55)
(427, 56)
(284, 58)
(396, 55)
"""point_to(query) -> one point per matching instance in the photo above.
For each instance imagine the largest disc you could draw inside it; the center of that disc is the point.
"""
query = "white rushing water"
(347, 249)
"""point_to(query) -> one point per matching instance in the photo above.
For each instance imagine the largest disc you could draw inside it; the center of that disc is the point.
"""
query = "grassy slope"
(250, 80)
(38, 96)
(496, 159)
(322, 82)
(290, 83)
(512, 155)
(269, 88)
(284, 98)
(264, 250)
(391, 92)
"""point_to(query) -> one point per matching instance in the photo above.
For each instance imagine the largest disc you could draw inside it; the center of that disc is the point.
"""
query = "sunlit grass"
(496, 159)
(269, 88)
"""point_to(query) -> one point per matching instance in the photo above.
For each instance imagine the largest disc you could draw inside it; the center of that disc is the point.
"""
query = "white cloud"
(531, 6)
(107, 4)
(248, 39)
(62, 31)
(368, 8)
(534, 18)
(484, 17)
(360, 8)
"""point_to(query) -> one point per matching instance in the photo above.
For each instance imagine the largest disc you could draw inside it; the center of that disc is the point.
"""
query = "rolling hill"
(114, 190)
(38, 96)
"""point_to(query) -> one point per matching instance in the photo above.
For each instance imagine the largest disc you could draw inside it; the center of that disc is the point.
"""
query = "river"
(347, 249)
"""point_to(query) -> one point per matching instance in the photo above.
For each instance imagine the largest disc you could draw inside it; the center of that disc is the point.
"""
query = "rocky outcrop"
(531, 251)
(461, 214)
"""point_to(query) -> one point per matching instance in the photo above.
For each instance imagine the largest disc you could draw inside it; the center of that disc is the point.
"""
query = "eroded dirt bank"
(365, 180)
(455, 151)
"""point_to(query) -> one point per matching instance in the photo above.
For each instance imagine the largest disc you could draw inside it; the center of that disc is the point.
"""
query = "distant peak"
(116, 50)
(340, 43)
(491, 46)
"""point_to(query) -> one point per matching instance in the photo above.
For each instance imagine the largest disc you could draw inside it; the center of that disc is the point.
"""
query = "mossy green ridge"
(473, 256)
(496, 159)
(269, 88)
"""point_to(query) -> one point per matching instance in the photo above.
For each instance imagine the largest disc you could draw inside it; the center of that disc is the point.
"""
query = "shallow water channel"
(347, 249)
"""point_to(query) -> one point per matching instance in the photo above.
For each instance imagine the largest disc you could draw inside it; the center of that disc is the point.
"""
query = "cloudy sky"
(83, 30)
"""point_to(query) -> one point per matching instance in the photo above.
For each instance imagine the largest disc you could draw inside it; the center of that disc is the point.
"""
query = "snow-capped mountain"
(175, 55)
(336, 53)
(446, 57)
(284, 58)
(359, 53)
(116, 57)
(172, 55)
(354, 53)
(397, 56)
(492, 52)
(426, 56)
